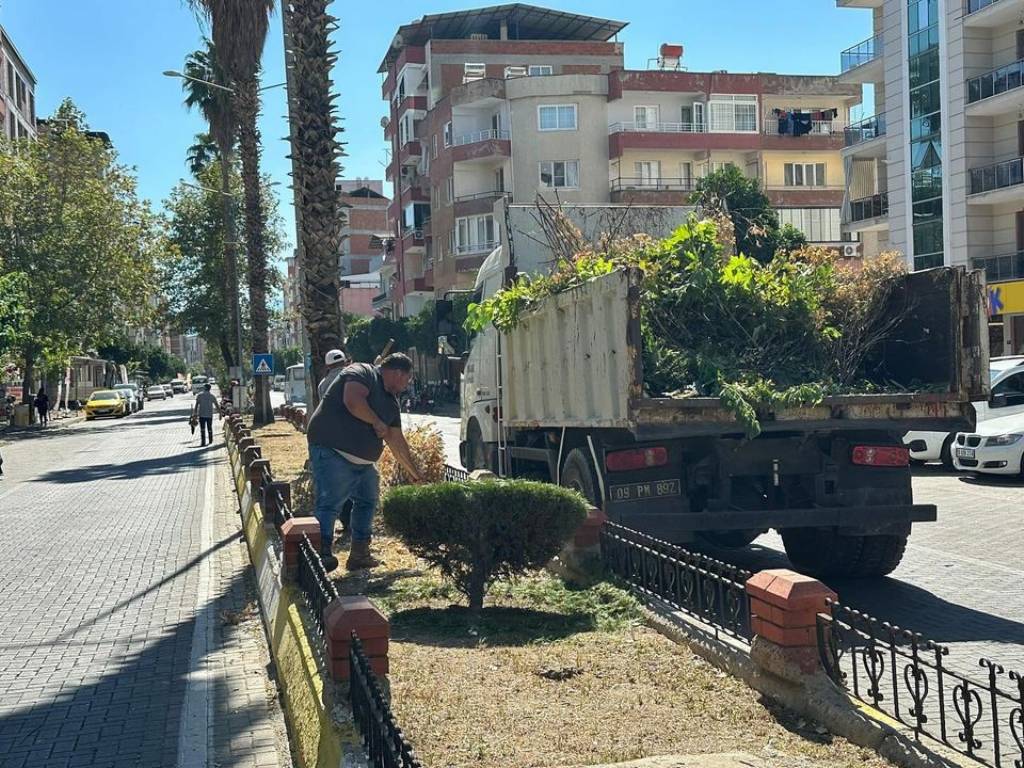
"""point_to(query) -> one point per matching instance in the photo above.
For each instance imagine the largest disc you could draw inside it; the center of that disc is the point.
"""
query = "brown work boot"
(359, 557)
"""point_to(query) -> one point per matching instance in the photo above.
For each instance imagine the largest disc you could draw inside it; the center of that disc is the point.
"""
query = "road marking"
(195, 734)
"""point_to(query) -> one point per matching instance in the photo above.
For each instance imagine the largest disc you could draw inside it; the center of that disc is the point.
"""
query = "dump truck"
(561, 397)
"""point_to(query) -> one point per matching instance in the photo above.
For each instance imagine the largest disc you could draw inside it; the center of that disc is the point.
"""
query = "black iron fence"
(317, 589)
(385, 745)
(455, 474)
(906, 677)
(713, 591)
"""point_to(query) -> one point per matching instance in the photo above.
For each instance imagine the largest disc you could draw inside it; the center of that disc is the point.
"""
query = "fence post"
(255, 475)
(250, 454)
(355, 613)
(291, 534)
(783, 610)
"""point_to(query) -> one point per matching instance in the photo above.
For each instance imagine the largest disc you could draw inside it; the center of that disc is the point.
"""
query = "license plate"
(654, 489)
(965, 453)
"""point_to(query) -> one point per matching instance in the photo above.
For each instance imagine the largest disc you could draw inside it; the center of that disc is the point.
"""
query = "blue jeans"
(335, 480)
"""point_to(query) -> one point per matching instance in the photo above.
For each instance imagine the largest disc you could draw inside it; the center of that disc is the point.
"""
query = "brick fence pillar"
(250, 453)
(291, 534)
(355, 613)
(255, 475)
(783, 607)
(271, 505)
(588, 534)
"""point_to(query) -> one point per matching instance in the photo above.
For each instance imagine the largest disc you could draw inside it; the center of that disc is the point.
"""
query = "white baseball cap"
(334, 356)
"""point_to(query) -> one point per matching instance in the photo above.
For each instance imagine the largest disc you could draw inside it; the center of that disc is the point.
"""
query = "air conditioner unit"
(515, 72)
(417, 234)
(408, 171)
(851, 250)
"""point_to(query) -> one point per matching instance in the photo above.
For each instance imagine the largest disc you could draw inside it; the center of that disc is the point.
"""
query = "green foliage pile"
(477, 533)
(758, 335)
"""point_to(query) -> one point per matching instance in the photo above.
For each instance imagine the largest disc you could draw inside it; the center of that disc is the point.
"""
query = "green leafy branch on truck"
(761, 336)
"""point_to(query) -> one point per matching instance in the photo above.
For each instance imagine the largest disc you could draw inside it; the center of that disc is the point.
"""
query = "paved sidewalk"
(123, 587)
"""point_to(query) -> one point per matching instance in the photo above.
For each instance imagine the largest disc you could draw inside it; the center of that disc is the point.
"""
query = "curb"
(317, 741)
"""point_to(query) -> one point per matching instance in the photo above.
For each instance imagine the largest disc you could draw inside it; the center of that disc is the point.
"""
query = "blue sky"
(108, 56)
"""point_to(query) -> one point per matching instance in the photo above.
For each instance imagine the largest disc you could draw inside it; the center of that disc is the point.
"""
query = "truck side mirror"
(998, 401)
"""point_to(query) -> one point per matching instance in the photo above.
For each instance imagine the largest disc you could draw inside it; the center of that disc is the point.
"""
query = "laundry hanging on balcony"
(793, 123)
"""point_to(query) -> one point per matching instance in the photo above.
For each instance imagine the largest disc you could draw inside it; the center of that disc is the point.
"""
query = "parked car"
(178, 386)
(995, 447)
(169, 390)
(106, 402)
(1006, 375)
(133, 398)
(278, 385)
(156, 392)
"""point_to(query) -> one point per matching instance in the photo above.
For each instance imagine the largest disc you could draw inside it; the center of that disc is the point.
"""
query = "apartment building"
(513, 102)
(366, 215)
(17, 92)
(287, 331)
(668, 128)
(937, 171)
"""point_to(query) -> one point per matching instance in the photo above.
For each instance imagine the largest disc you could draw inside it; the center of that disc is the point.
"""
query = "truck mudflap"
(864, 520)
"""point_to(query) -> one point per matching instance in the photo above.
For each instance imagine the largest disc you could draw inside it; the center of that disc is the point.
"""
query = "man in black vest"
(346, 434)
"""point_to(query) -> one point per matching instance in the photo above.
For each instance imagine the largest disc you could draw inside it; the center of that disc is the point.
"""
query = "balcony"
(810, 196)
(997, 183)
(869, 213)
(657, 128)
(647, 191)
(781, 133)
(997, 92)
(410, 152)
(990, 14)
(414, 240)
(866, 138)
(477, 203)
(862, 63)
(413, 101)
(475, 249)
(999, 268)
(418, 285)
(481, 146)
(680, 136)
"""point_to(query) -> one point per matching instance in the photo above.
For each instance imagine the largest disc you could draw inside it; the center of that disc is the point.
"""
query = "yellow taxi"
(105, 402)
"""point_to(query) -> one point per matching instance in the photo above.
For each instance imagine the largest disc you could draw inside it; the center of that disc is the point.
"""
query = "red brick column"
(291, 534)
(783, 607)
(588, 535)
(355, 613)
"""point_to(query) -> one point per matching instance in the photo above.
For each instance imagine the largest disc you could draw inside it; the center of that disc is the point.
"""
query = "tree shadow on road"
(187, 461)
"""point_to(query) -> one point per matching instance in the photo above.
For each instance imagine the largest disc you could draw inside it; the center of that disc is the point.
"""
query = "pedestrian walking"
(42, 404)
(204, 408)
(346, 436)
(335, 360)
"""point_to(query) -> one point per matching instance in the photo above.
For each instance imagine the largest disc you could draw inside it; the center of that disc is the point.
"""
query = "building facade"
(938, 171)
(287, 331)
(17, 92)
(515, 102)
(362, 257)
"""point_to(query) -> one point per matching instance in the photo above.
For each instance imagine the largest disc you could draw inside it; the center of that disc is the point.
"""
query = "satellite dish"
(385, 121)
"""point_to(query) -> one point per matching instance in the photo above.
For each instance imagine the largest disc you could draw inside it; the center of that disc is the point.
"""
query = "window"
(698, 116)
(449, 190)
(646, 118)
(686, 174)
(433, 141)
(474, 233)
(448, 133)
(540, 69)
(733, 114)
(515, 72)
(804, 174)
(1009, 391)
(819, 225)
(560, 174)
(717, 165)
(471, 72)
(648, 171)
(557, 117)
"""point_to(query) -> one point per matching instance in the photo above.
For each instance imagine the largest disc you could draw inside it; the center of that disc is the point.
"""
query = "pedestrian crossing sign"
(263, 365)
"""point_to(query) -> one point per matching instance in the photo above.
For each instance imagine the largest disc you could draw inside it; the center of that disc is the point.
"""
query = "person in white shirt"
(205, 405)
(335, 360)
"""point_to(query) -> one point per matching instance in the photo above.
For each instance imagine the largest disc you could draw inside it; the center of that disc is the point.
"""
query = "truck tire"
(946, 452)
(478, 454)
(822, 552)
(578, 474)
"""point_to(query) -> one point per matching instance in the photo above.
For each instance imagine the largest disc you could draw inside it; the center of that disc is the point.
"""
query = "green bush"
(476, 533)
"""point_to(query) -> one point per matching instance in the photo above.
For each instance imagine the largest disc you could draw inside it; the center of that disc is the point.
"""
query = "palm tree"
(202, 154)
(239, 30)
(216, 106)
(315, 170)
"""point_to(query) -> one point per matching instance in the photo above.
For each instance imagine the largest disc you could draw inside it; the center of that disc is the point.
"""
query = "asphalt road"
(960, 581)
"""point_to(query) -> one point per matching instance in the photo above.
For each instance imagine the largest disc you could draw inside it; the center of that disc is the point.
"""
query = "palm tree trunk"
(315, 171)
(255, 230)
(230, 249)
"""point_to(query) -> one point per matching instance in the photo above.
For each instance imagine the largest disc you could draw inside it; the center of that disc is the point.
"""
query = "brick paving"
(101, 563)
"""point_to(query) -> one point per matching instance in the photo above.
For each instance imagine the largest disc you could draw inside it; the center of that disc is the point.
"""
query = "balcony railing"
(869, 207)
(865, 130)
(652, 127)
(1008, 173)
(861, 53)
(494, 193)
(818, 127)
(466, 249)
(999, 80)
(1006, 267)
(478, 136)
(656, 185)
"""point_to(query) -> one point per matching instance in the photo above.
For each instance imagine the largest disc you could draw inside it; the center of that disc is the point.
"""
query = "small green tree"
(477, 533)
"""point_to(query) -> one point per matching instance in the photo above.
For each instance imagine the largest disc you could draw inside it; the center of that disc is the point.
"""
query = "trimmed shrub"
(476, 533)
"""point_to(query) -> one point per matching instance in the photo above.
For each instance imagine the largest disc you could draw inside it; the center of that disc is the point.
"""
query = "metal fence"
(317, 589)
(455, 474)
(385, 745)
(905, 676)
(282, 511)
(709, 589)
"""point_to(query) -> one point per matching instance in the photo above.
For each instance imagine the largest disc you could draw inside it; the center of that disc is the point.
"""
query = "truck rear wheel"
(578, 474)
(479, 455)
(823, 552)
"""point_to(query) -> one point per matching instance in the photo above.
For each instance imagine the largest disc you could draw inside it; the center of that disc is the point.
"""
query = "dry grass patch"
(286, 448)
(551, 674)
